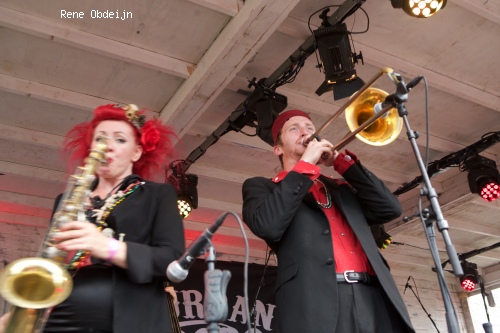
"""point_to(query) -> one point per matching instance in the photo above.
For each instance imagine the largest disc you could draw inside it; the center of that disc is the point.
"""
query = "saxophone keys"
(51, 252)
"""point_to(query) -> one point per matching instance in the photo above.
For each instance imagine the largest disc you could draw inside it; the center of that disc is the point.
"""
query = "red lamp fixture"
(483, 177)
(470, 278)
(490, 190)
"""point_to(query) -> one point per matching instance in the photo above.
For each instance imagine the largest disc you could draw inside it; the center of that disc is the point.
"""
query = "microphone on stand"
(390, 99)
(413, 83)
(407, 284)
(178, 270)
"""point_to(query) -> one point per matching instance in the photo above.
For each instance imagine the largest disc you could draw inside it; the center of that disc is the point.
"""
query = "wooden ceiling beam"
(223, 230)
(420, 242)
(241, 38)
(50, 93)
(25, 199)
(228, 7)
(490, 10)
(223, 206)
(217, 173)
(296, 28)
(60, 33)
(233, 137)
(409, 260)
(7, 167)
(8, 132)
(435, 80)
(26, 220)
(308, 104)
(447, 200)
(491, 276)
(478, 229)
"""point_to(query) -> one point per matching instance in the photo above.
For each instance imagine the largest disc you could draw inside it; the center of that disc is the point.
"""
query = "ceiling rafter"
(297, 28)
(490, 10)
(309, 104)
(422, 243)
(228, 7)
(236, 44)
(60, 33)
(50, 93)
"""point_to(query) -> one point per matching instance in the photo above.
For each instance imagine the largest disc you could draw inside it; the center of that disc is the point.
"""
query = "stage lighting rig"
(419, 8)
(470, 279)
(186, 186)
(266, 104)
(337, 59)
(188, 196)
(456, 159)
(483, 177)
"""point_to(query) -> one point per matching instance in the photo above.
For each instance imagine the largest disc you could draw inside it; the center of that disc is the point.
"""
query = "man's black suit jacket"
(288, 218)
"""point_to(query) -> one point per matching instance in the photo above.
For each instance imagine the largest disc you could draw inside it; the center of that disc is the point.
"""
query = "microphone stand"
(215, 306)
(398, 99)
(486, 326)
(418, 299)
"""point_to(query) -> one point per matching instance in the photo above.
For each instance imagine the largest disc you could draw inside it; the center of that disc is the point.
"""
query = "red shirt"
(348, 253)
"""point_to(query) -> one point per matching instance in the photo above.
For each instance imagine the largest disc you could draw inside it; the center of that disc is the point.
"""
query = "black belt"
(355, 277)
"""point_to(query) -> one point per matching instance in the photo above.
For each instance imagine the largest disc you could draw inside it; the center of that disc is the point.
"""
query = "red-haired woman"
(118, 261)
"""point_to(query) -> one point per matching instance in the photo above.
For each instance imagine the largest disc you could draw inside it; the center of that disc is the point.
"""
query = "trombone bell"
(384, 130)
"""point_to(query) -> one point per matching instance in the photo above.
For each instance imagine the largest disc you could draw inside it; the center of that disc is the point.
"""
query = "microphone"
(413, 83)
(389, 101)
(178, 270)
(407, 284)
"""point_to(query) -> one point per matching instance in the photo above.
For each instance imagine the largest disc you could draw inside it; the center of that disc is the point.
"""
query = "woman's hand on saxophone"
(74, 236)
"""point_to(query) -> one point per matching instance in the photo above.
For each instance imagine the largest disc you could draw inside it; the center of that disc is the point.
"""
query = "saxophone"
(34, 285)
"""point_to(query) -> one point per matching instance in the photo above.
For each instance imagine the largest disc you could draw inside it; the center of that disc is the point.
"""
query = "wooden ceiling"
(189, 63)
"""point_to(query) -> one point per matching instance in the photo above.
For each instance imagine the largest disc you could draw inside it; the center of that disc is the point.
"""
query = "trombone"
(374, 128)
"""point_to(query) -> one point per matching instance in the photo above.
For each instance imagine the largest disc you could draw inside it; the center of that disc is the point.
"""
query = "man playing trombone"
(331, 276)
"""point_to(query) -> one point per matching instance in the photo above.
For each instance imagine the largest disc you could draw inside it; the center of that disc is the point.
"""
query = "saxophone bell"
(34, 285)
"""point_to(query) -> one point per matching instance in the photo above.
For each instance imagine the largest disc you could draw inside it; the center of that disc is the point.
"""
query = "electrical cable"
(261, 283)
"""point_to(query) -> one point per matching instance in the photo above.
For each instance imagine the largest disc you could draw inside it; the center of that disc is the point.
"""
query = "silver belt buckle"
(347, 279)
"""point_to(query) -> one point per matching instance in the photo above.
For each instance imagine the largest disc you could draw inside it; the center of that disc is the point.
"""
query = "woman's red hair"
(79, 140)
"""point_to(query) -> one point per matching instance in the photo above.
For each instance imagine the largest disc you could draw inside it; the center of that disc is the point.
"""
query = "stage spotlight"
(337, 61)
(483, 177)
(267, 105)
(188, 196)
(419, 8)
(470, 277)
(185, 184)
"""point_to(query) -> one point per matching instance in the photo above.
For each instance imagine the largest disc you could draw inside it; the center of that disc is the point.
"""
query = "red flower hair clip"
(150, 136)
